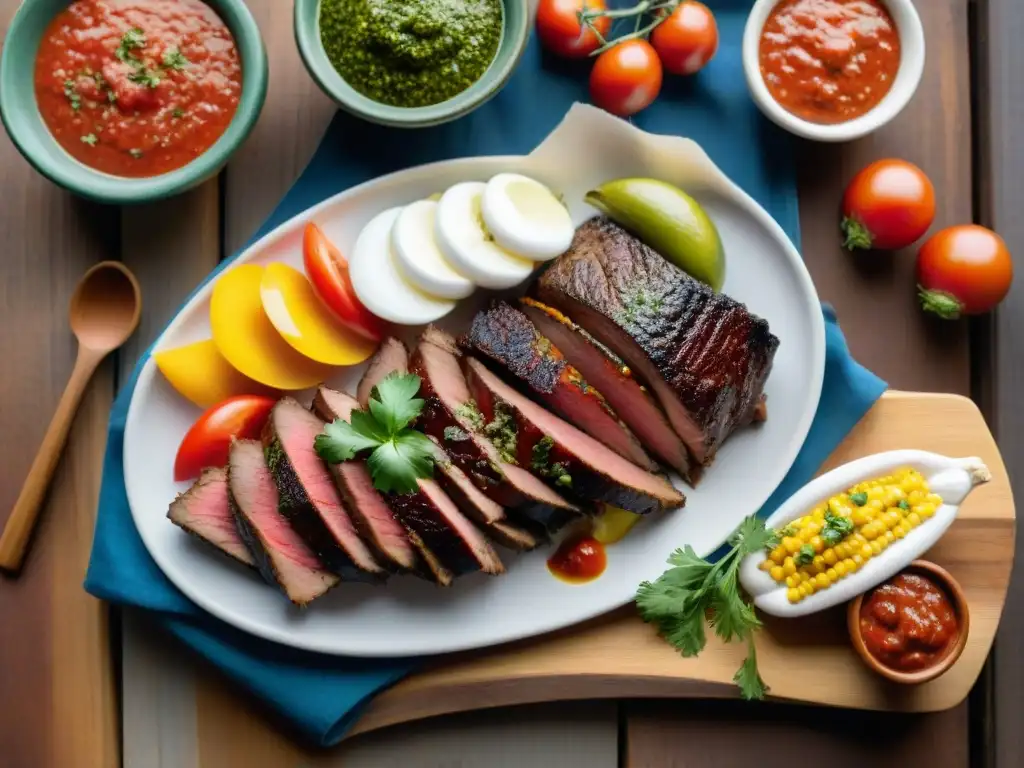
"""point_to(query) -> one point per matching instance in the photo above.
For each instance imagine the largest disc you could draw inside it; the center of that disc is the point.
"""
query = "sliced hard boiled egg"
(248, 340)
(526, 218)
(468, 245)
(418, 257)
(305, 322)
(378, 283)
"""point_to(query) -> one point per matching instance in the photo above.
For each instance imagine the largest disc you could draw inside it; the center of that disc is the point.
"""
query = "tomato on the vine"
(687, 39)
(888, 205)
(626, 78)
(559, 28)
(963, 270)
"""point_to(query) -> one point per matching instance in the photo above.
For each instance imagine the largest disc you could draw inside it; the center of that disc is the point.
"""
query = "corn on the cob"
(837, 537)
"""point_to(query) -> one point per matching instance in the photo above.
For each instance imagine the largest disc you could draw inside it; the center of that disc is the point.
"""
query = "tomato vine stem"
(661, 10)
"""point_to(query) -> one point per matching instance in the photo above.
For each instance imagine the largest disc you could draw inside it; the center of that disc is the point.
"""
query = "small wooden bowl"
(954, 592)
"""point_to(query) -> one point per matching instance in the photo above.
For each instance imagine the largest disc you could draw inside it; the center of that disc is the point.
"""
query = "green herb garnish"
(694, 591)
(805, 556)
(174, 59)
(178, 113)
(860, 499)
(469, 414)
(399, 455)
(145, 77)
(90, 139)
(131, 40)
(836, 528)
(72, 95)
(904, 504)
(455, 435)
(111, 97)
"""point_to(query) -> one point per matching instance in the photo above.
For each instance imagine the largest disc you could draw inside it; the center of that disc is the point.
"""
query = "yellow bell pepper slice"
(303, 320)
(613, 523)
(249, 341)
(201, 374)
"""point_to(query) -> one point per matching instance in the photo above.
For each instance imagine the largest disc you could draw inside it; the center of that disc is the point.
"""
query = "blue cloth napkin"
(322, 696)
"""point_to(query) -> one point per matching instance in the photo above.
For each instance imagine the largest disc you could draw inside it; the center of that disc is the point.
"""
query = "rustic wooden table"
(79, 687)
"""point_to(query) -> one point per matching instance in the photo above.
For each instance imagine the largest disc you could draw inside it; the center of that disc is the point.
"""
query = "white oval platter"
(407, 616)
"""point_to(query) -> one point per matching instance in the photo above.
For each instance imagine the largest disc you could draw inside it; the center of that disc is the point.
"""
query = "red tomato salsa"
(908, 623)
(137, 88)
(829, 61)
(578, 560)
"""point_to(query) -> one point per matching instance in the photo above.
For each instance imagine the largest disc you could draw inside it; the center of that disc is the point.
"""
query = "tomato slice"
(207, 441)
(327, 270)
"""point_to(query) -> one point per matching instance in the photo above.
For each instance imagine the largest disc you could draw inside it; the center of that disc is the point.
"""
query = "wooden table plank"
(999, 61)
(874, 298)
(56, 689)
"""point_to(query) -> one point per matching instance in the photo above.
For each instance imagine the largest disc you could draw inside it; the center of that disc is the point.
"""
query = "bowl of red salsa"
(833, 70)
(125, 101)
(913, 627)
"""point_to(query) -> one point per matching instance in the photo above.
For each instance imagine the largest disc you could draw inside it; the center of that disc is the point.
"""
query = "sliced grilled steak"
(284, 558)
(704, 355)
(509, 338)
(203, 511)
(445, 530)
(308, 497)
(451, 417)
(373, 517)
(565, 456)
(606, 371)
(392, 357)
(488, 515)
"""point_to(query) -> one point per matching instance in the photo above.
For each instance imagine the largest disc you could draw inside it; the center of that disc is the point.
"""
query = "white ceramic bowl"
(911, 34)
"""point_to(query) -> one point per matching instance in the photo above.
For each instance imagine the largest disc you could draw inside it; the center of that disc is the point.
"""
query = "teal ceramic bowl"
(515, 34)
(30, 135)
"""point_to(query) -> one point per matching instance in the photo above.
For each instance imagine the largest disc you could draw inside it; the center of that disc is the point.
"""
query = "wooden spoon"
(104, 312)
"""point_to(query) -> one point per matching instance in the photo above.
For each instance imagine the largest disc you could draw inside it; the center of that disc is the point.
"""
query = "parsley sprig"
(399, 455)
(694, 592)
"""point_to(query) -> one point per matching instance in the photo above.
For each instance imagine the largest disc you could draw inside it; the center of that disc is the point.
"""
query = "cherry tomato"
(559, 28)
(963, 270)
(327, 270)
(207, 441)
(687, 39)
(626, 78)
(888, 205)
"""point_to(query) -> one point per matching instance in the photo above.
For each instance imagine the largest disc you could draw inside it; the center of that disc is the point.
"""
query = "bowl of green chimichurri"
(411, 63)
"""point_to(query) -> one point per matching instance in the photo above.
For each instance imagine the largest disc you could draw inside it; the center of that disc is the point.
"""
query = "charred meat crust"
(606, 370)
(571, 461)
(510, 339)
(300, 511)
(705, 355)
(476, 456)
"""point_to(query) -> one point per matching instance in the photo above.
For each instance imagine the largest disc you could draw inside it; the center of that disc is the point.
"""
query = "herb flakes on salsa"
(137, 88)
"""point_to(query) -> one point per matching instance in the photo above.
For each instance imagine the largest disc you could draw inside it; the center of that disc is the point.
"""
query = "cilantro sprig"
(694, 593)
(399, 455)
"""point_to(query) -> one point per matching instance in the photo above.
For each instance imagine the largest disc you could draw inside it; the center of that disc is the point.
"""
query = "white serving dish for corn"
(952, 479)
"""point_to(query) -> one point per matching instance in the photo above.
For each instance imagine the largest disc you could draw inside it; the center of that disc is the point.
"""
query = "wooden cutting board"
(805, 660)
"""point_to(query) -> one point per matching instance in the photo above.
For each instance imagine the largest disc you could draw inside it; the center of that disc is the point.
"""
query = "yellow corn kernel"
(778, 555)
(860, 516)
(925, 510)
(858, 538)
(804, 576)
(859, 559)
(819, 514)
(877, 546)
(793, 595)
(807, 588)
(915, 497)
(829, 556)
(789, 567)
(900, 531)
(892, 517)
(817, 543)
(933, 498)
(793, 581)
(818, 562)
(893, 496)
(870, 531)
(792, 544)
(875, 507)
(914, 519)
(911, 482)
(889, 538)
(875, 493)
(865, 551)
(777, 573)
(832, 575)
(821, 581)
(840, 568)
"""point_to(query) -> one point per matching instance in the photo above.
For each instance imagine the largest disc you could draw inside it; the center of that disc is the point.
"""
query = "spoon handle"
(14, 541)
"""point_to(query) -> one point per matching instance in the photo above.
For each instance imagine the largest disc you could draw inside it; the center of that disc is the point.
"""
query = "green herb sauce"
(503, 432)
(411, 53)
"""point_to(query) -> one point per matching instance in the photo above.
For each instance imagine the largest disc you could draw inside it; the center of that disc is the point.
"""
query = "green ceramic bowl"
(514, 37)
(25, 125)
